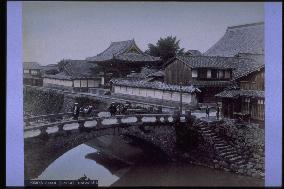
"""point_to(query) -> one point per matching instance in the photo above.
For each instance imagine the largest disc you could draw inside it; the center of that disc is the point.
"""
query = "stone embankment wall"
(248, 140)
(47, 101)
(243, 146)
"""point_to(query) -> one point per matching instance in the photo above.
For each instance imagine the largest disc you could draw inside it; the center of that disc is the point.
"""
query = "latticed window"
(194, 73)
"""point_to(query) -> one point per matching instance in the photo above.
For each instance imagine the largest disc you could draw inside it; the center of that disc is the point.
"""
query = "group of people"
(113, 109)
(118, 108)
(84, 109)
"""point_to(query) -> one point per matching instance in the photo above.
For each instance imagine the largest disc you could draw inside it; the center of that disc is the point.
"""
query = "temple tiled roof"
(119, 50)
(153, 85)
(32, 65)
(248, 38)
(74, 69)
(243, 93)
(143, 74)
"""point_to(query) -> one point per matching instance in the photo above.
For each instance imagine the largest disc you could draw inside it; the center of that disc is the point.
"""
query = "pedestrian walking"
(218, 112)
(207, 111)
(75, 111)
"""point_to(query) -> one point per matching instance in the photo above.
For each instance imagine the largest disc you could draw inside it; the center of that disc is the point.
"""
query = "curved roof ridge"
(245, 25)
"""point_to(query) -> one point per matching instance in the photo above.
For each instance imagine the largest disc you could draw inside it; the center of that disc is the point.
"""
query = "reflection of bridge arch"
(42, 150)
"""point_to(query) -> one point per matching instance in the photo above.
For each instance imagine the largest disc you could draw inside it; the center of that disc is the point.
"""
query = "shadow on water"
(130, 161)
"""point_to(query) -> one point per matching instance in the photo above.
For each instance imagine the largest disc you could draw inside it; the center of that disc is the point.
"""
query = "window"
(227, 74)
(77, 83)
(214, 74)
(34, 72)
(221, 74)
(26, 71)
(208, 73)
(194, 73)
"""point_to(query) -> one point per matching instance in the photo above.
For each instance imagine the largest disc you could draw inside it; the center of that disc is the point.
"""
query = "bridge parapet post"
(176, 116)
(99, 122)
(119, 120)
(60, 127)
(81, 125)
(139, 119)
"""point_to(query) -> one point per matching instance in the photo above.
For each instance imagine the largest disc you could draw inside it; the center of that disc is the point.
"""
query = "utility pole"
(180, 88)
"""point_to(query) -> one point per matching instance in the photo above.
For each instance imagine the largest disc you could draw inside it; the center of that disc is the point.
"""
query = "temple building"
(121, 58)
(32, 74)
(74, 75)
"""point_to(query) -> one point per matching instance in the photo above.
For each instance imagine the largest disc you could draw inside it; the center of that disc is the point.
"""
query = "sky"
(53, 31)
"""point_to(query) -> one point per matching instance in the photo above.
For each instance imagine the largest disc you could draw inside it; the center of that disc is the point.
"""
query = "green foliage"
(165, 48)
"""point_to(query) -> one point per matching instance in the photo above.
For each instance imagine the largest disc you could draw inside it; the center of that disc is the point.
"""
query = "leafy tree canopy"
(165, 48)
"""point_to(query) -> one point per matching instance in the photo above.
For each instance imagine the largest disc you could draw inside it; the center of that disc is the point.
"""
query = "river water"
(95, 160)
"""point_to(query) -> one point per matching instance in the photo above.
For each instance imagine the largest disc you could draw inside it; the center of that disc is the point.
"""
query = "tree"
(165, 48)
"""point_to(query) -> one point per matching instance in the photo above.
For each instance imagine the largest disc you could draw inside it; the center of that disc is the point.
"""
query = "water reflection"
(114, 162)
(73, 165)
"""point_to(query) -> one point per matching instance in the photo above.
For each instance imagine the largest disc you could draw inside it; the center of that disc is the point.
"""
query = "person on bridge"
(112, 109)
(75, 111)
(207, 111)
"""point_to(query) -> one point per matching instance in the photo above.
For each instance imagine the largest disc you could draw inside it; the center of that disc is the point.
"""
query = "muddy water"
(114, 162)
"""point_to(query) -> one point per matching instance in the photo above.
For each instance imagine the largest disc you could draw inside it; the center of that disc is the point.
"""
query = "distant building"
(32, 74)
(50, 69)
(193, 53)
(121, 58)
(74, 75)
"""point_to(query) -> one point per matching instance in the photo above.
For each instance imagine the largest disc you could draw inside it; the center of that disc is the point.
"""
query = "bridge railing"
(81, 123)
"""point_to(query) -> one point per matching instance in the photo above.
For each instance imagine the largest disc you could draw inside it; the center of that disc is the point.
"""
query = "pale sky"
(76, 30)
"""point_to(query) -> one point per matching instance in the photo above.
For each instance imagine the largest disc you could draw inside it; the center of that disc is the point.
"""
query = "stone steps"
(223, 149)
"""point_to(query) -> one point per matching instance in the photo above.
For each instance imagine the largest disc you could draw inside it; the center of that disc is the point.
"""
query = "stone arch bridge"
(45, 142)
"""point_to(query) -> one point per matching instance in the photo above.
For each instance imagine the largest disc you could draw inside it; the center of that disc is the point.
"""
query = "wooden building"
(246, 99)
(74, 75)
(210, 74)
(121, 58)
(32, 74)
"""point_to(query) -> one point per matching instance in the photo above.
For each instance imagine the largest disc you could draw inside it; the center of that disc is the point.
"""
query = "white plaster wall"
(76, 83)
(175, 96)
(91, 83)
(167, 95)
(150, 93)
(84, 83)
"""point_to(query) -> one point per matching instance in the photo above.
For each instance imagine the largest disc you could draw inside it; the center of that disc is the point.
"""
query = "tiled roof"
(143, 74)
(243, 93)
(61, 75)
(194, 52)
(153, 85)
(211, 83)
(118, 50)
(134, 57)
(160, 73)
(247, 38)
(245, 67)
(75, 69)
(206, 61)
(241, 65)
(32, 65)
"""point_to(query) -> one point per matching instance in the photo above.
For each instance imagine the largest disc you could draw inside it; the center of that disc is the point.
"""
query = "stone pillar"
(81, 125)
(187, 115)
